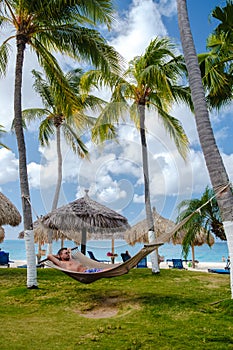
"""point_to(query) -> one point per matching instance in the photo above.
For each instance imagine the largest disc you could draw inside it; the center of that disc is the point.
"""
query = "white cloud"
(139, 26)
(8, 166)
(29, 97)
(167, 8)
(228, 162)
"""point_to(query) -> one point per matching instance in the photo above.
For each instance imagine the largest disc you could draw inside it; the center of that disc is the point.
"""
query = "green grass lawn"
(173, 310)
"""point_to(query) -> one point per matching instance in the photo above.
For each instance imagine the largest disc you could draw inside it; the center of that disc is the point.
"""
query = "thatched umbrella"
(139, 232)
(2, 234)
(200, 238)
(9, 214)
(83, 216)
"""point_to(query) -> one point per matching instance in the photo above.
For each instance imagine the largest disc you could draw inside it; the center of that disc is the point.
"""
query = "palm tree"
(151, 81)
(60, 114)
(2, 131)
(46, 27)
(216, 64)
(217, 172)
(208, 215)
(205, 220)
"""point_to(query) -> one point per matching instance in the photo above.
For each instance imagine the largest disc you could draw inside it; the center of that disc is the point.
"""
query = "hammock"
(114, 270)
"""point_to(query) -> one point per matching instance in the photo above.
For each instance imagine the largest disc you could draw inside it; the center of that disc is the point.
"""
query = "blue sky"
(114, 174)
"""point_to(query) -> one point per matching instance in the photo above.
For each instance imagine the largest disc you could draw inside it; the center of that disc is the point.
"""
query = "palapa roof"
(139, 232)
(202, 237)
(2, 234)
(9, 214)
(85, 213)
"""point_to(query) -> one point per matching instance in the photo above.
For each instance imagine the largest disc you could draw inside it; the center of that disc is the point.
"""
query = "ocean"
(204, 253)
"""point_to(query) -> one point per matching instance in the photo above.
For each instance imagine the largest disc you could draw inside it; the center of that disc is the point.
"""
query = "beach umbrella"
(85, 218)
(139, 232)
(2, 234)
(202, 237)
(9, 214)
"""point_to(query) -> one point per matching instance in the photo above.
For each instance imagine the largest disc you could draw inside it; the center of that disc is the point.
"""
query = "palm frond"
(182, 94)
(224, 15)
(84, 12)
(216, 79)
(74, 141)
(31, 114)
(3, 131)
(98, 78)
(111, 113)
(4, 58)
(43, 88)
(58, 84)
(102, 132)
(134, 115)
(176, 132)
(46, 129)
(82, 43)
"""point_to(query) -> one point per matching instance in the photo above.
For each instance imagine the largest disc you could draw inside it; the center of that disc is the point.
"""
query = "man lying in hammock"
(64, 260)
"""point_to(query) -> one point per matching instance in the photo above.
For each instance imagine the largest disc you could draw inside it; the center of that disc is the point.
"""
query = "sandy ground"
(18, 263)
(201, 266)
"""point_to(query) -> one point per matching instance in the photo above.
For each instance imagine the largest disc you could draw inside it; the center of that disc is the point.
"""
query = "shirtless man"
(64, 260)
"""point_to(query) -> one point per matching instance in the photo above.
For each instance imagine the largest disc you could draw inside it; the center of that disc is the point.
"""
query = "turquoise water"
(16, 248)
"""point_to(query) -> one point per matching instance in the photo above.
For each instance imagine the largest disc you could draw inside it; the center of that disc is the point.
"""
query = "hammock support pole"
(84, 241)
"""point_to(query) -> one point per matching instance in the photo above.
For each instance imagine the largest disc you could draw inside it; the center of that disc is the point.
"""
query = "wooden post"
(193, 256)
(84, 240)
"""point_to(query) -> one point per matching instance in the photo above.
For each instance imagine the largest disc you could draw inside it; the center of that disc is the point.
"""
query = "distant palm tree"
(218, 175)
(46, 27)
(205, 220)
(208, 216)
(151, 82)
(2, 131)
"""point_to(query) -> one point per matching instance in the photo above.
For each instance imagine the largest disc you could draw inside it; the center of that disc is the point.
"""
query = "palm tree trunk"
(193, 256)
(214, 163)
(58, 186)
(59, 168)
(23, 176)
(150, 222)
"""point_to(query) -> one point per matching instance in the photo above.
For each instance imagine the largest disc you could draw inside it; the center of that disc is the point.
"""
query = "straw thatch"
(200, 238)
(139, 232)
(85, 213)
(9, 214)
(2, 234)
(41, 234)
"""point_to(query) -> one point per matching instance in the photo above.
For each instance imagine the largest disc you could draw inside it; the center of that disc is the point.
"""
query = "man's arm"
(54, 259)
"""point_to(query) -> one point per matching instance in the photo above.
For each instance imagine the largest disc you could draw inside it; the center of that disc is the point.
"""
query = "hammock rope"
(109, 270)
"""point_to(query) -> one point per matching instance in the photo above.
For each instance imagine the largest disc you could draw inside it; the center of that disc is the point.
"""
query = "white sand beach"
(18, 263)
(201, 266)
